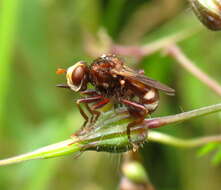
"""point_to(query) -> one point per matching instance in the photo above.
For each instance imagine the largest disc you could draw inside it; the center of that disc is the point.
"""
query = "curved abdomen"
(150, 100)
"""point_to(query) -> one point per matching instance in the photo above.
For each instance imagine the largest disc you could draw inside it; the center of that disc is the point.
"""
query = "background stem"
(161, 121)
(178, 142)
(175, 52)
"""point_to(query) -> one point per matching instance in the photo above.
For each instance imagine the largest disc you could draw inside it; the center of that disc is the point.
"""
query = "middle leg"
(98, 105)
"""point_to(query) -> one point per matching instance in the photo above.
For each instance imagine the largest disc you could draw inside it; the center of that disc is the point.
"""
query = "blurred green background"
(39, 36)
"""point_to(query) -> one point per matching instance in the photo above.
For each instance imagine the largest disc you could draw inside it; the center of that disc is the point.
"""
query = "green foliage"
(8, 22)
(208, 148)
(215, 147)
(217, 157)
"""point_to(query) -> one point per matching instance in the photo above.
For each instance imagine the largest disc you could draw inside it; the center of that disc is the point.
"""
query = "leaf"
(217, 158)
(207, 149)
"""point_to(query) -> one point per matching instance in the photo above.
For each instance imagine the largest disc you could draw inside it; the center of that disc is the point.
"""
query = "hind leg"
(136, 110)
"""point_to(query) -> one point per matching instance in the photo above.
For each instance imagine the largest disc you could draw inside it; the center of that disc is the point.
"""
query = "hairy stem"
(54, 150)
(161, 121)
(110, 135)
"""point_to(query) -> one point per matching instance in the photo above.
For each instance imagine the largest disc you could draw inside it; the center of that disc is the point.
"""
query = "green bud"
(109, 134)
(209, 12)
(135, 172)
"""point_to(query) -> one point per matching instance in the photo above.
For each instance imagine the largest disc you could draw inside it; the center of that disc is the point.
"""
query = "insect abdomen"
(151, 100)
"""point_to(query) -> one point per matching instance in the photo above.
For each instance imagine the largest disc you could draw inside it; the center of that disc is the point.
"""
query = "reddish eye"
(77, 76)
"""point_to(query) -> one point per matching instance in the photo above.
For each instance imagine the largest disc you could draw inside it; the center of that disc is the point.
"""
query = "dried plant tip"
(209, 12)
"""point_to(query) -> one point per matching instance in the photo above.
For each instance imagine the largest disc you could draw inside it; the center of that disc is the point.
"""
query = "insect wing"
(137, 77)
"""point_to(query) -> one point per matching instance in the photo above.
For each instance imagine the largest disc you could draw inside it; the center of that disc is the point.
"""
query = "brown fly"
(114, 81)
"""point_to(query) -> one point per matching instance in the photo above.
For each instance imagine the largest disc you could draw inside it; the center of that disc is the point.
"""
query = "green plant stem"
(110, 135)
(64, 147)
(161, 121)
(54, 150)
(158, 137)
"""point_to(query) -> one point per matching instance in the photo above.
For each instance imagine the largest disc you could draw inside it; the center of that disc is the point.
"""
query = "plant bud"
(109, 133)
(209, 12)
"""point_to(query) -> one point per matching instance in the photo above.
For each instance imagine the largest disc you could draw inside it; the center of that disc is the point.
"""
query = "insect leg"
(99, 105)
(92, 112)
(137, 110)
(86, 101)
(89, 92)
(92, 93)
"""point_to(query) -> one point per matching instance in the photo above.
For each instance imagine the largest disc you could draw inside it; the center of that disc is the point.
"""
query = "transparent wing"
(137, 77)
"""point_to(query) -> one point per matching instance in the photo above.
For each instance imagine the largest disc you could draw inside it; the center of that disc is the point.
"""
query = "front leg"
(103, 101)
(90, 92)
(98, 105)
(86, 101)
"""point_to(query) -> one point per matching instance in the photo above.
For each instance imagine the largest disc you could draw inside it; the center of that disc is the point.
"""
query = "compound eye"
(76, 75)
